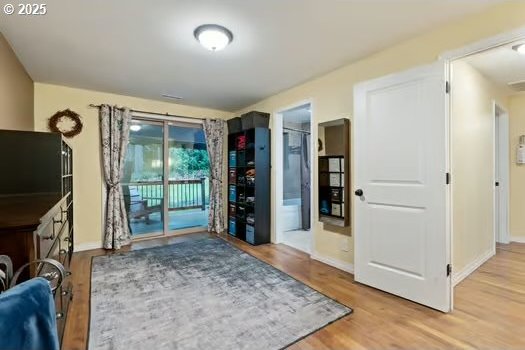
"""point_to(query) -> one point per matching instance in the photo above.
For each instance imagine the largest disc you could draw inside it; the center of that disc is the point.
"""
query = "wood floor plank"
(489, 304)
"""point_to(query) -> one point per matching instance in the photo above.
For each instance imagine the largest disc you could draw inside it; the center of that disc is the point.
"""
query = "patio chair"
(139, 208)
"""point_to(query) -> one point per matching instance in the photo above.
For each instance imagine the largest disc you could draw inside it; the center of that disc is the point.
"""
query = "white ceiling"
(502, 65)
(146, 48)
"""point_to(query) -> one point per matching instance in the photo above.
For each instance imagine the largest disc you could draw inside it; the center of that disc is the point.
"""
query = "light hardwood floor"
(489, 304)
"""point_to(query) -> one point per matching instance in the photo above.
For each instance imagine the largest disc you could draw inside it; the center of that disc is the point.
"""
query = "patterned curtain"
(214, 131)
(114, 131)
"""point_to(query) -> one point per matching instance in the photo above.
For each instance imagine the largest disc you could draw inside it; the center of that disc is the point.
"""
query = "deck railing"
(182, 194)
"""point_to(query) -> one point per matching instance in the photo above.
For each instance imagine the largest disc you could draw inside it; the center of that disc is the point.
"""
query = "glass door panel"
(143, 180)
(188, 184)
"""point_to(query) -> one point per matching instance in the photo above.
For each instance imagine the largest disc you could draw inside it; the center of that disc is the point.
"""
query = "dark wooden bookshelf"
(249, 185)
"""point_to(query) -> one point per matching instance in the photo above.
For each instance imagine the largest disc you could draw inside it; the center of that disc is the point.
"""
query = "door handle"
(358, 192)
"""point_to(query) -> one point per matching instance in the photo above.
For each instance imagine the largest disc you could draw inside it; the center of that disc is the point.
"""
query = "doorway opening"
(294, 177)
(432, 129)
(166, 178)
(487, 105)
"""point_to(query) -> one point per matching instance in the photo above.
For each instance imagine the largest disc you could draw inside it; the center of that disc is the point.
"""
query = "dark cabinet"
(36, 205)
(249, 185)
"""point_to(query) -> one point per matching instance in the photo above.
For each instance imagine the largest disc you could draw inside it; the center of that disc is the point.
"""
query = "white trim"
(338, 264)
(449, 203)
(277, 161)
(459, 276)
(517, 239)
(87, 246)
(484, 44)
(448, 57)
(276, 169)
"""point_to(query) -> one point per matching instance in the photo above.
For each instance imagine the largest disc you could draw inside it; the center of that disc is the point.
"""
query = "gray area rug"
(202, 294)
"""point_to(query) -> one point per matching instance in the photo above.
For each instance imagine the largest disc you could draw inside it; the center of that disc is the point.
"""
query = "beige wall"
(86, 147)
(16, 91)
(332, 94)
(472, 163)
(516, 112)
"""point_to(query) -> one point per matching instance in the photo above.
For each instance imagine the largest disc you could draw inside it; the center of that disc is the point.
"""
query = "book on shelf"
(232, 210)
(232, 158)
(241, 142)
(232, 175)
(232, 193)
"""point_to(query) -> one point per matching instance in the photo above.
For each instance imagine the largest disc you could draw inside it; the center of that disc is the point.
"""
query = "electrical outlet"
(345, 246)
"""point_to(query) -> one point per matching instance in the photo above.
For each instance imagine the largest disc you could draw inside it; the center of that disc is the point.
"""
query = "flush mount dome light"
(520, 48)
(213, 37)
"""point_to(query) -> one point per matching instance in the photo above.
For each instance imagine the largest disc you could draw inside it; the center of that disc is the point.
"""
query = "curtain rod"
(155, 113)
(297, 130)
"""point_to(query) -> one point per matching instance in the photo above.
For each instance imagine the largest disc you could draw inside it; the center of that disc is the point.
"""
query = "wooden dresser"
(36, 205)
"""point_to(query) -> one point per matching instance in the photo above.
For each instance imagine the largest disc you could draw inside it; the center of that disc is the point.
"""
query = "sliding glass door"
(166, 178)
(143, 180)
(188, 184)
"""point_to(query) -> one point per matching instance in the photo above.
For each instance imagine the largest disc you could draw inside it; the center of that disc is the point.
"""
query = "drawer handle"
(50, 237)
(66, 239)
(60, 315)
(65, 292)
(62, 251)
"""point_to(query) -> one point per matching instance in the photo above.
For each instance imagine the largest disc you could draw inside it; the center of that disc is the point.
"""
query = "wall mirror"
(334, 172)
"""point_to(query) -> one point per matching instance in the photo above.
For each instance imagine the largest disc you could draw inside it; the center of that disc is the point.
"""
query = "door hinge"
(447, 87)
(449, 269)
(447, 178)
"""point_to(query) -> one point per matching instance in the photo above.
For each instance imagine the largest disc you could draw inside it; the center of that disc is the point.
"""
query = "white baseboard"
(87, 246)
(517, 239)
(473, 266)
(338, 264)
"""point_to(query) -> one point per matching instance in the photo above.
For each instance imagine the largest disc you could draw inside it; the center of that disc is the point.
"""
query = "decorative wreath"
(60, 116)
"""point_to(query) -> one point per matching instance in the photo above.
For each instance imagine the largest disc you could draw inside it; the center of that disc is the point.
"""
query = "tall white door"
(497, 192)
(401, 223)
(501, 174)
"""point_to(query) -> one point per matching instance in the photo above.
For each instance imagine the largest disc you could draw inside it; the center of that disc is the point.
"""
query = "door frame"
(277, 170)
(448, 57)
(502, 156)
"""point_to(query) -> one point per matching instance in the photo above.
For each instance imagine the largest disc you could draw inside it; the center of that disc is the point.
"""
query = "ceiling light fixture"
(213, 37)
(135, 127)
(520, 49)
